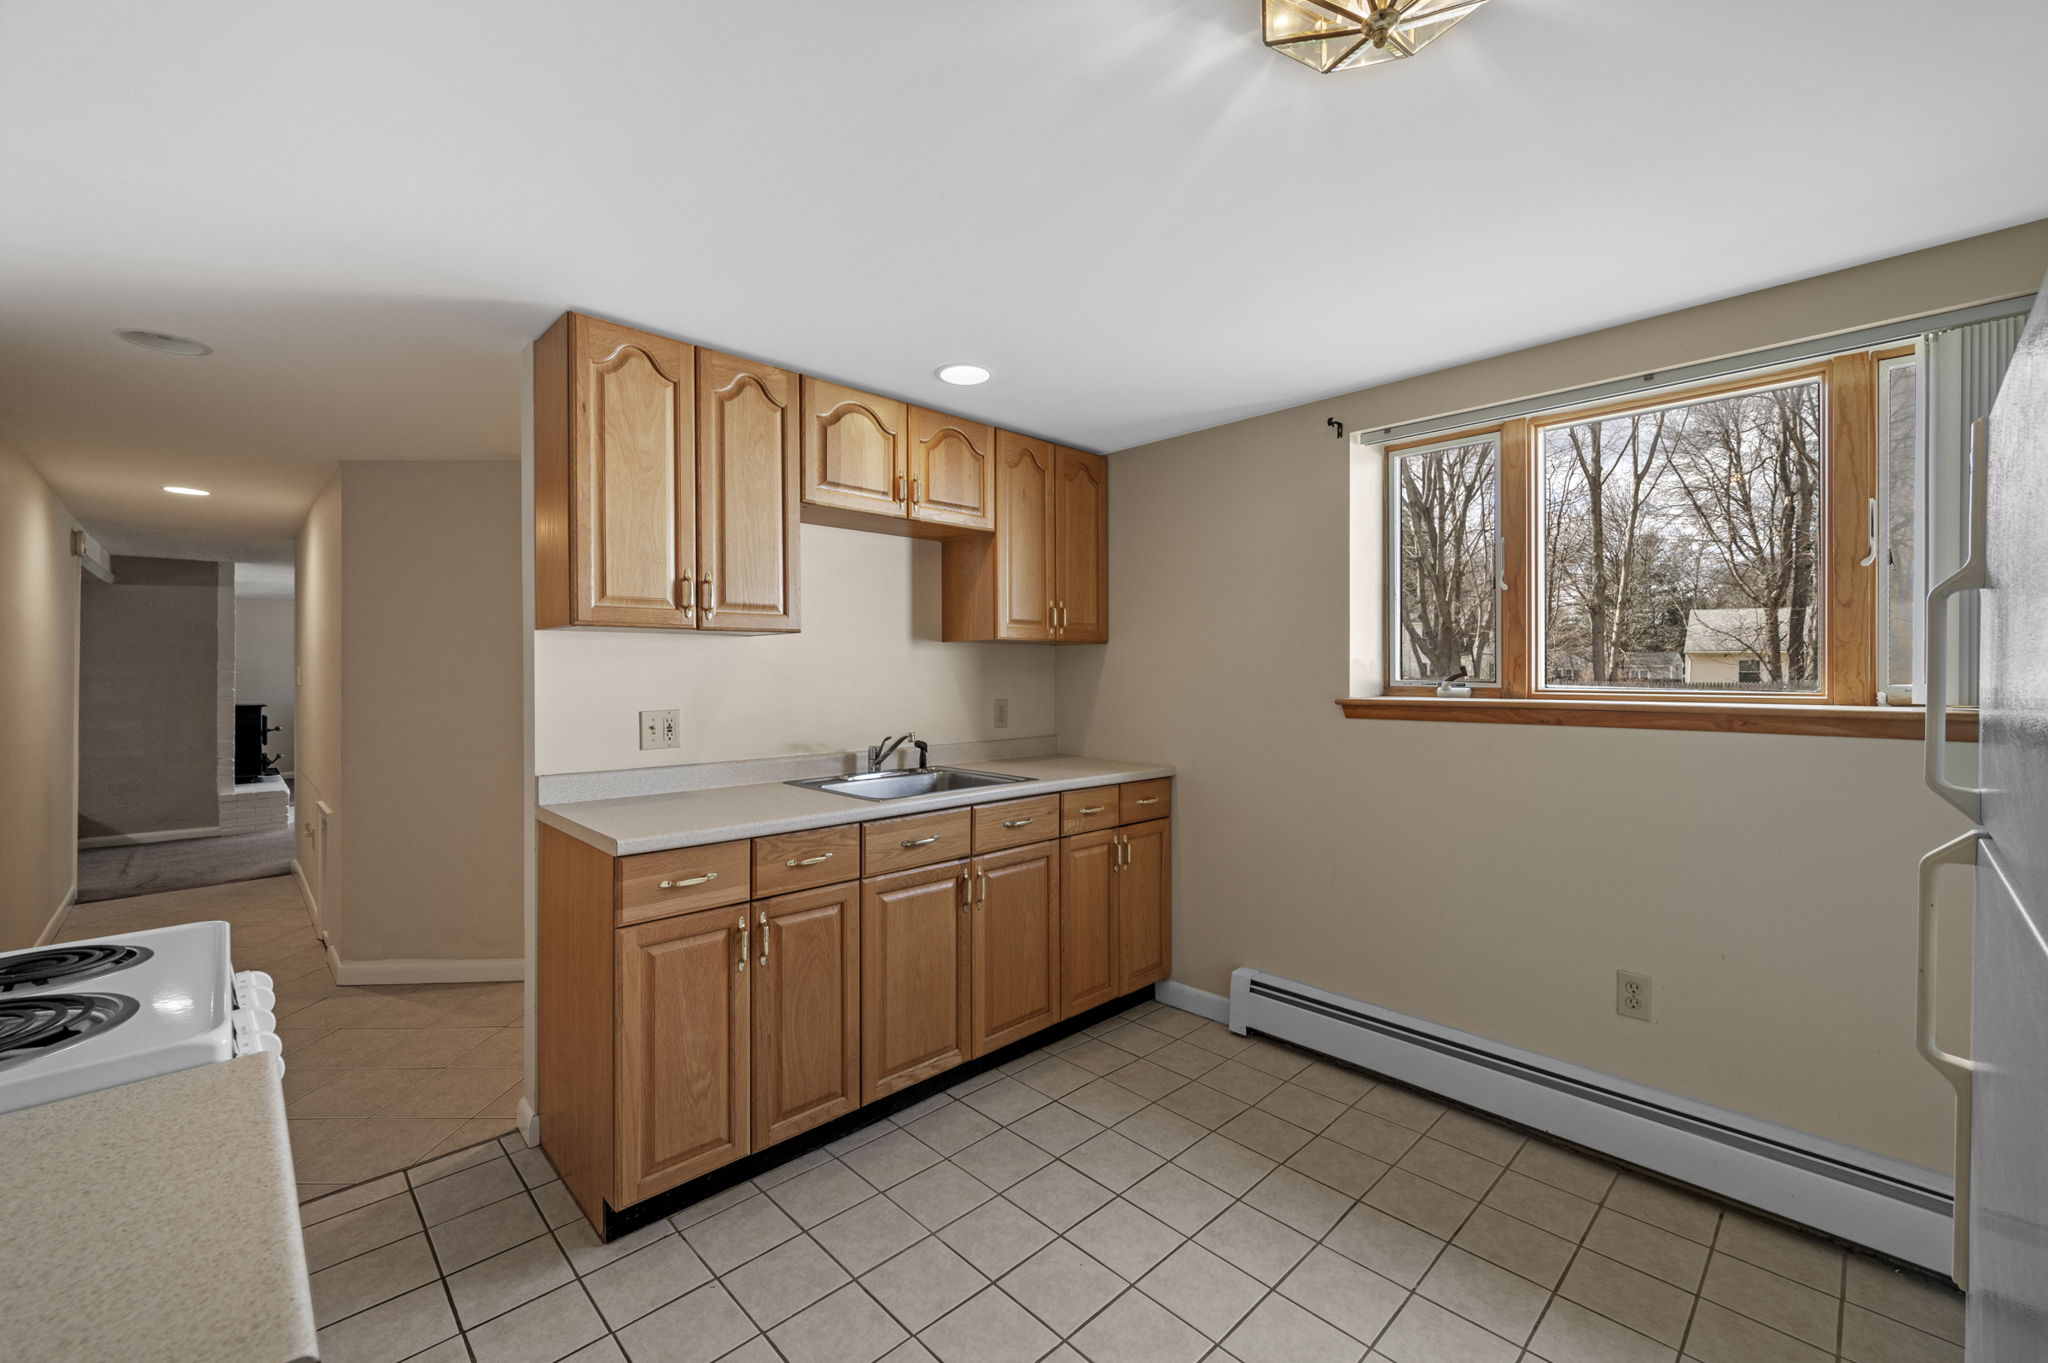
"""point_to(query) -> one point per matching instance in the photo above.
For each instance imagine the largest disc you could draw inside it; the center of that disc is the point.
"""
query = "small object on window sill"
(1454, 687)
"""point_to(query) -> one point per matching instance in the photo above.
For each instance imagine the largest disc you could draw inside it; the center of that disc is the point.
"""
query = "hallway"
(378, 1077)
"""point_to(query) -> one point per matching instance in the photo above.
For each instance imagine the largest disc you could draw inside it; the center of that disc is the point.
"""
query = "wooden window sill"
(1832, 721)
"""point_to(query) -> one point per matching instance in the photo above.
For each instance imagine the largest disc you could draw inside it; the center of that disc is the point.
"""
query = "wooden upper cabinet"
(1016, 944)
(1081, 548)
(1089, 970)
(856, 450)
(682, 1050)
(1024, 586)
(614, 476)
(1144, 905)
(806, 1041)
(952, 471)
(914, 941)
(748, 437)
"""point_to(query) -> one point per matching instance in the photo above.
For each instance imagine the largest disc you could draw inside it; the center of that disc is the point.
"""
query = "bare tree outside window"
(1681, 545)
(1446, 503)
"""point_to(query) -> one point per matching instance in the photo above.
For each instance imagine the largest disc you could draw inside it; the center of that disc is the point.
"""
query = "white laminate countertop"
(690, 818)
(157, 1219)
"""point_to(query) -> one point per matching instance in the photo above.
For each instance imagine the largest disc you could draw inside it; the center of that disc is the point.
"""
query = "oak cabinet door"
(856, 453)
(1081, 548)
(748, 435)
(952, 471)
(914, 942)
(1024, 583)
(682, 1050)
(806, 1042)
(632, 434)
(1089, 969)
(1016, 944)
(1144, 905)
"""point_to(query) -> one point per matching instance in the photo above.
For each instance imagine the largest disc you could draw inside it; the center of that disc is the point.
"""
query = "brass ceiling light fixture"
(1337, 35)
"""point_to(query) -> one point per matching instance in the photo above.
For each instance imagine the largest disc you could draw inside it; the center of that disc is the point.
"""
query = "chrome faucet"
(881, 751)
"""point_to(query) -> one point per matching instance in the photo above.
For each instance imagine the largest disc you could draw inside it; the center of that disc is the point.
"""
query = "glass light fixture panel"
(1425, 21)
(1317, 33)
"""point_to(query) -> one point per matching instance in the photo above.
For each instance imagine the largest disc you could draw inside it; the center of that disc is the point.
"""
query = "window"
(1899, 508)
(1445, 562)
(1681, 545)
(1676, 545)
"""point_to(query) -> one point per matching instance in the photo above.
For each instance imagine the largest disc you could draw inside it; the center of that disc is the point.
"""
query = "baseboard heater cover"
(1872, 1200)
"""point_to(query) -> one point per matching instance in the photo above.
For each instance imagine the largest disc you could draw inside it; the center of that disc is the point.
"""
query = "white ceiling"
(1142, 220)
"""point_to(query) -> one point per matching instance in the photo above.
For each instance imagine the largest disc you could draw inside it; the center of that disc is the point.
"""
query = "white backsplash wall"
(868, 662)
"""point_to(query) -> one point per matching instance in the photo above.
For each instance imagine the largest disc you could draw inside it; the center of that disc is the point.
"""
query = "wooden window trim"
(1847, 704)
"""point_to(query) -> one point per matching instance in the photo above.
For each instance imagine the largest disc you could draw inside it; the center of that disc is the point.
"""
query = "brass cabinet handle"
(743, 943)
(966, 891)
(764, 937)
(1093, 809)
(1018, 823)
(1149, 800)
(982, 877)
(899, 489)
(1063, 617)
(704, 596)
(686, 884)
(686, 594)
(1116, 852)
(921, 842)
(808, 861)
(914, 497)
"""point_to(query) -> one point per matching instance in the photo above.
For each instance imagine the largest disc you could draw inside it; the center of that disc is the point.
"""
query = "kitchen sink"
(896, 785)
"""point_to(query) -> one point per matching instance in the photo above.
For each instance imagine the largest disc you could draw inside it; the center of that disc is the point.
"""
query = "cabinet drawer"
(1138, 801)
(1084, 811)
(1016, 822)
(657, 884)
(916, 840)
(799, 861)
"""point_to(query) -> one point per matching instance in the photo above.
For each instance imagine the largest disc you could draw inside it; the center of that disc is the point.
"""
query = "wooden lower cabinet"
(806, 1010)
(1089, 970)
(682, 1053)
(915, 939)
(1144, 906)
(1016, 944)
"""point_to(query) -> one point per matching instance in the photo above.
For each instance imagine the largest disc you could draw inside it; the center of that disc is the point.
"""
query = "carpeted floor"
(157, 867)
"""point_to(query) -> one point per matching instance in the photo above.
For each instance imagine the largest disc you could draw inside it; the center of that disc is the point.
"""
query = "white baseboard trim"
(306, 893)
(138, 839)
(1189, 999)
(424, 971)
(1865, 1198)
(528, 1121)
(56, 923)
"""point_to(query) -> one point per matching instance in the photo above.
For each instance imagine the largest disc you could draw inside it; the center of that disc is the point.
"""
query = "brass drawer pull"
(1149, 800)
(1092, 809)
(704, 597)
(743, 943)
(686, 594)
(921, 842)
(686, 884)
(808, 861)
(982, 876)
(899, 489)
(1018, 823)
(764, 937)
(966, 891)
(914, 497)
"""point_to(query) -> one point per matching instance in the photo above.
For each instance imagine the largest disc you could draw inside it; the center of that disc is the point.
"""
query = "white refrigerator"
(2002, 1086)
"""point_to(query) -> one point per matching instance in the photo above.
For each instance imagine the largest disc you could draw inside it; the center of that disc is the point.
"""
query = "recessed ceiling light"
(188, 491)
(164, 341)
(965, 375)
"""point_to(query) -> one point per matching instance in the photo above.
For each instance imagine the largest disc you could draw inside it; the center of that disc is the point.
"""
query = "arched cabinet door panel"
(856, 452)
(952, 471)
(748, 435)
(1081, 539)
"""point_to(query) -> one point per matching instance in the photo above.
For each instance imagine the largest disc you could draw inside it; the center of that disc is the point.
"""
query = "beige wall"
(867, 663)
(1493, 878)
(38, 704)
(263, 665)
(316, 645)
(149, 726)
(411, 705)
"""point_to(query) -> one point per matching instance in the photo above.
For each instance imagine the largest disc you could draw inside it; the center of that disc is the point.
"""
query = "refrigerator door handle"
(1969, 577)
(1957, 1069)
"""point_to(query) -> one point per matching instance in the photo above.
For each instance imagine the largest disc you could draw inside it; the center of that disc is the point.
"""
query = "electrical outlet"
(1002, 712)
(659, 729)
(1632, 995)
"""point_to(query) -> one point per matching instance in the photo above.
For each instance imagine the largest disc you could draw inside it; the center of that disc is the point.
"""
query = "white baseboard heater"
(1871, 1200)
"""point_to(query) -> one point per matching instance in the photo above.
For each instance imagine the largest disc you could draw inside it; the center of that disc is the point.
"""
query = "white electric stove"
(77, 1017)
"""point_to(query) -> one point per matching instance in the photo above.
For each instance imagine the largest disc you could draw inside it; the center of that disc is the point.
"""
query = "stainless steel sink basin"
(896, 785)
